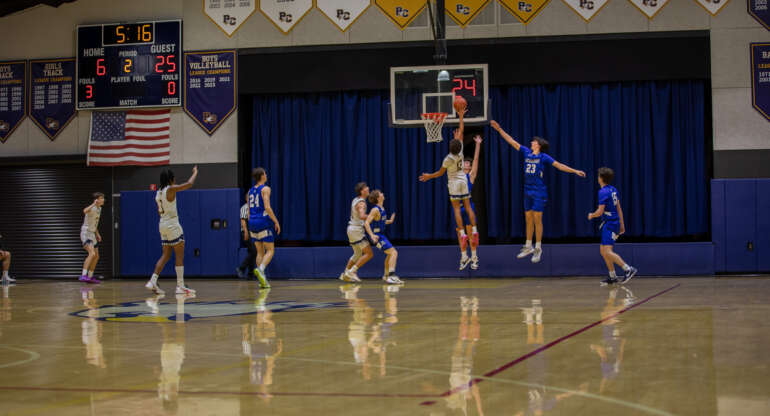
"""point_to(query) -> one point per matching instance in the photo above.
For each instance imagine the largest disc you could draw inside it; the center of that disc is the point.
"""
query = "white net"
(433, 123)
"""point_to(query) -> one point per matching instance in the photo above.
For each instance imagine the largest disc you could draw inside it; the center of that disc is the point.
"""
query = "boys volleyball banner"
(229, 15)
(210, 88)
(760, 10)
(760, 78)
(13, 96)
(52, 94)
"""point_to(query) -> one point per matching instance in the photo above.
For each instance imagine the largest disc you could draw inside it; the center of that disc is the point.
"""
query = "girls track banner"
(210, 88)
(13, 96)
(760, 78)
(52, 94)
(760, 10)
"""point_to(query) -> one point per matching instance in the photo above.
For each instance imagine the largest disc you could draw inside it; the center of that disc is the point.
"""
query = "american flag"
(129, 138)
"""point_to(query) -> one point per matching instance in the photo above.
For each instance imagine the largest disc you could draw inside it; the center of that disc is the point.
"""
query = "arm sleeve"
(447, 163)
(523, 149)
(604, 198)
(547, 159)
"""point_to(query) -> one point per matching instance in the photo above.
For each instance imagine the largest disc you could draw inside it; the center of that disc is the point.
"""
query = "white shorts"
(171, 234)
(458, 190)
(356, 235)
(87, 237)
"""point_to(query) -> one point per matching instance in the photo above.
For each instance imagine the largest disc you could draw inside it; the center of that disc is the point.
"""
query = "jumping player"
(362, 251)
(471, 169)
(5, 257)
(375, 228)
(262, 222)
(90, 237)
(171, 233)
(612, 227)
(535, 192)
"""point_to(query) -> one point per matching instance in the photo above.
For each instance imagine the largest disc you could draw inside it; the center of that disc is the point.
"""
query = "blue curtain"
(315, 147)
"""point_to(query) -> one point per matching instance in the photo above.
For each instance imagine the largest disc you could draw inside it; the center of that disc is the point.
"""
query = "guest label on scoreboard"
(760, 78)
(650, 8)
(463, 11)
(211, 89)
(587, 9)
(524, 10)
(285, 14)
(13, 96)
(713, 6)
(401, 12)
(52, 94)
(229, 15)
(760, 10)
(343, 13)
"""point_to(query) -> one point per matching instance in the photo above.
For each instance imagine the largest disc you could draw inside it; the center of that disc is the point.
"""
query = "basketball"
(460, 103)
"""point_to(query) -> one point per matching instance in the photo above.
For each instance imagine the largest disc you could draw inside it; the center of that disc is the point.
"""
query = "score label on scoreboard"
(129, 65)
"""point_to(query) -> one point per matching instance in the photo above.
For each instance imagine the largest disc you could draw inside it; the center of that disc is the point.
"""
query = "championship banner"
(760, 10)
(525, 11)
(343, 13)
(587, 9)
(712, 6)
(285, 14)
(229, 15)
(463, 11)
(401, 12)
(760, 78)
(52, 94)
(210, 87)
(650, 8)
(13, 96)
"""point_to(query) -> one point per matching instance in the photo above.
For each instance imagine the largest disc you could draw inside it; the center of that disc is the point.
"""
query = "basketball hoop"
(433, 123)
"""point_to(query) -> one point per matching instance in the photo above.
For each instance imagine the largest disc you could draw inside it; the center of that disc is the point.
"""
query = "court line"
(32, 357)
(537, 351)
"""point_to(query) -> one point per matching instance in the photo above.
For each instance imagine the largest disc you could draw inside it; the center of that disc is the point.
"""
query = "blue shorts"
(262, 231)
(464, 214)
(534, 200)
(609, 233)
(383, 243)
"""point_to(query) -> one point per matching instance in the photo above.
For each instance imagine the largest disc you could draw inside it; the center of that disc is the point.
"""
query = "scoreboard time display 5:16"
(129, 65)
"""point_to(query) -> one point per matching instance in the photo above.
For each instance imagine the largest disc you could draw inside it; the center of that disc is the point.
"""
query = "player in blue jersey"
(535, 192)
(612, 227)
(375, 229)
(262, 223)
(471, 169)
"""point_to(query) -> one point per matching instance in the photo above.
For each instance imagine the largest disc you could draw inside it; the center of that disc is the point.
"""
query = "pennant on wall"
(343, 13)
(463, 11)
(525, 11)
(760, 10)
(650, 8)
(52, 94)
(210, 88)
(284, 14)
(587, 9)
(713, 6)
(401, 12)
(13, 96)
(760, 78)
(229, 15)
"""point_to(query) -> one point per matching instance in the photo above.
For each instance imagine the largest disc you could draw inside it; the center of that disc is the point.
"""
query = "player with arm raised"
(471, 169)
(375, 229)
(262, 222)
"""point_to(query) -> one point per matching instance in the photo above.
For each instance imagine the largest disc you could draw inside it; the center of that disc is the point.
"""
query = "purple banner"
(52, 94)
(210, 89)
(760, 10)
(13, 96)
(760, 78)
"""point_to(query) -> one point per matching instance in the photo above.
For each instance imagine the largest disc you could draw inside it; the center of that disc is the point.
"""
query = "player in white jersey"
(362, 251)
(5, 258)
(171, 234)
(90, 237)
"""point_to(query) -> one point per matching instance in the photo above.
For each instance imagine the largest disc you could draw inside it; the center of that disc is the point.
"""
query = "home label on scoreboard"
(129, 65)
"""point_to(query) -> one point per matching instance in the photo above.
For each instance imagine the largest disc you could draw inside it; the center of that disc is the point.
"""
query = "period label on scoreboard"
(52, 94)
(587, 9)
(285, 14)
(211, 89)
(760, 10)
(229, 15)
(760, 78)
(463, 11)
(129, 65)
(524, 10)
(712, 6)
(13, 96)
(343, 13)
(401, 12)
(650, 8)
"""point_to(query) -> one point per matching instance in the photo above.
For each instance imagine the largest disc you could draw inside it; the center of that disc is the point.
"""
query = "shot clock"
(129, 65)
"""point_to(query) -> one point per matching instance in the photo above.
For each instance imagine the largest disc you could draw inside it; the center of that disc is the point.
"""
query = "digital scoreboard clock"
(129, 65)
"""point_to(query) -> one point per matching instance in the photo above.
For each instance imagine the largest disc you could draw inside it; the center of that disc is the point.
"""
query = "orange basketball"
(460, 103)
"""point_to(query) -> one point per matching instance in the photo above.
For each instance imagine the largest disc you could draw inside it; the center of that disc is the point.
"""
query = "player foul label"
(285, 15)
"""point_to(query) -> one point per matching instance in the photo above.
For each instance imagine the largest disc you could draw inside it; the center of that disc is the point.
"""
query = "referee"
(246, 269)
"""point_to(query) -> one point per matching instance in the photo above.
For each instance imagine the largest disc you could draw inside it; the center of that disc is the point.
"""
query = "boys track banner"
(13, 96)
(210, 87)
(52, 94)
(760, 78)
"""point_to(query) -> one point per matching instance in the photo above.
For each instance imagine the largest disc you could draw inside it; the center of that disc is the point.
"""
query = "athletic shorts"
(464, 214)
(356, 235)
(382, 243)
(87, 237)
(458, 190)
(171, 233)
(535, 199)
(262, 230)
(609, 233)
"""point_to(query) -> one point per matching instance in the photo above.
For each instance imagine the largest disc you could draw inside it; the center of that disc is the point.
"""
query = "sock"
(262, 268)
(626, 267)
(474, 229)
(462, 233)
(85, 272)
(463, 255)
(537, 245)
(5, 274)
(179, 275)
(154, 278)
(353, 269)
(612, 274)
(90, 273)
(528, 244)
(473, 252)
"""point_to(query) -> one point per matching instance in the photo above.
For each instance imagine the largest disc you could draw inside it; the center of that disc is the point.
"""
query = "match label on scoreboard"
(525, 11)
(760, 78)
(13, 96)
(285, 15)
(211, 87)
(52, 94)
(713, 6)
(760, 10)
(229, 15)
(401, 12)
(586, 9)
(343, 13)
(650, 8)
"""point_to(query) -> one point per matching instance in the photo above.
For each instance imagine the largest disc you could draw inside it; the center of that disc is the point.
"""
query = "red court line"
(510, 364)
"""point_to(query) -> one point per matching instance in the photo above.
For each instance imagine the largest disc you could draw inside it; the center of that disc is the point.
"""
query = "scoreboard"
(129, 65)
